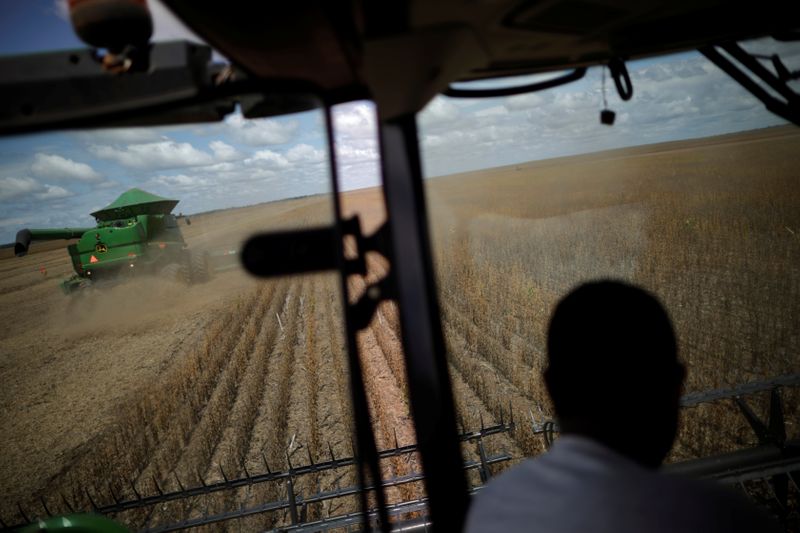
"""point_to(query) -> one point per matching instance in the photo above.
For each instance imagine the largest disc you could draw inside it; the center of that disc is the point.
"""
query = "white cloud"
(356, 144)
(261, 131)
(123, 135)
(11, 188)
(432, 141)
(491, 111)
(164, 154)
(269, 159)
(252, 174)
(304, 153)
(11, 225)
(61, 168)
(440, 111)
(221, 167)
(684, 97)
(14, 187)
(355, 120)
(677, 97)
(52, 192)
(355, 153)
(224, 152)
(569, 101)
(180, 181)
(523, 101)
(358, 163)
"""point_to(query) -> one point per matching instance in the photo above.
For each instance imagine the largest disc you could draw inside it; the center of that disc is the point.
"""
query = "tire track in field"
(388, 337)
(391, 414)
(469, 406)
(378, 268)
(386, 325)
(389, 408)
(386, 385)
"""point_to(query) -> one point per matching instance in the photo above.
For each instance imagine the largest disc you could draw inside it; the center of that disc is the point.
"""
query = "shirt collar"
(586, 447)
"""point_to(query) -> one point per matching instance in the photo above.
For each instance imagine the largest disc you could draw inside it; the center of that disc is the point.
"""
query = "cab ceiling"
(343, 46)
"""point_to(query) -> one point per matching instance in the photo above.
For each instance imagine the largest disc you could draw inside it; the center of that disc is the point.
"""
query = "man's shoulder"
(578, 484)
(712, 506)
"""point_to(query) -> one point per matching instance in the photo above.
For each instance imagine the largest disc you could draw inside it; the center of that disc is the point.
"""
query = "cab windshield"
(146, 376)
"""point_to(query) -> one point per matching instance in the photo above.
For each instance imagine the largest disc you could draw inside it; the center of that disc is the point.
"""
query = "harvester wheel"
(175, 272)
(185, 272)
(200, 270)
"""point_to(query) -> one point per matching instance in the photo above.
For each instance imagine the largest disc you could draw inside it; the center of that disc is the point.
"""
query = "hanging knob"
(112, 24)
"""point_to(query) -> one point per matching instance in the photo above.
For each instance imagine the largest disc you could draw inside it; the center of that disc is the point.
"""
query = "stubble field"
(151, 385)
(711, 226)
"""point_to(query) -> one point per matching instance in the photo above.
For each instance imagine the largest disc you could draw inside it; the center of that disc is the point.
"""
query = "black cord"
(622, 80)
(575, 75)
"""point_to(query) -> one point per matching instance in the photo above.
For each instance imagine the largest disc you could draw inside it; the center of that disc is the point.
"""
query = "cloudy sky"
(56, 179)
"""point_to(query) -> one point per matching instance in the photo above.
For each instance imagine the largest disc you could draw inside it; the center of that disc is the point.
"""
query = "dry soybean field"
(152, 386)
(711, 226)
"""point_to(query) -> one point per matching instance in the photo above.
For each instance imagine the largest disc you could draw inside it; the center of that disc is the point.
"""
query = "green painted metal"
(79, 523)
(135, 202)
(134, 234)
(55, 234)
(25, 236)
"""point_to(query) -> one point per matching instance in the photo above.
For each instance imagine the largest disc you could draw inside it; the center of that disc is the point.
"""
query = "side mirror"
(169, 83)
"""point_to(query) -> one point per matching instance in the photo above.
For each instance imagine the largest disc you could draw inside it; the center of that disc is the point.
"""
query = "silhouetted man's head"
(613, 371)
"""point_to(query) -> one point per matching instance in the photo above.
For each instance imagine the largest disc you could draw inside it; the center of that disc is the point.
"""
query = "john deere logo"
(102, 248)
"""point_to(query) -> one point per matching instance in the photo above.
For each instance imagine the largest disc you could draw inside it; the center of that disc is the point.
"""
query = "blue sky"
(34, 25)
(56, 179)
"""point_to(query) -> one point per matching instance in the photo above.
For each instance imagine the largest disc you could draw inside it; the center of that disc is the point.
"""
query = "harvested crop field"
(711, 226)
(151, 386)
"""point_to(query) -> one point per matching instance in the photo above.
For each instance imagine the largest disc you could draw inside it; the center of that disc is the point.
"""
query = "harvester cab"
(136, 231)
(135, 234)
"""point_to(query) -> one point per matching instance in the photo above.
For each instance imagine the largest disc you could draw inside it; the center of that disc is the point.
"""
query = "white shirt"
(582, 486)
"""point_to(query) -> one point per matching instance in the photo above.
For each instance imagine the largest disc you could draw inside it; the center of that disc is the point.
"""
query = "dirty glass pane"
(137, 358)
(691, 194)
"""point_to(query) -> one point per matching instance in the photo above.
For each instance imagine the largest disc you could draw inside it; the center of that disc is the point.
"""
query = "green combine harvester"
(136, 234)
